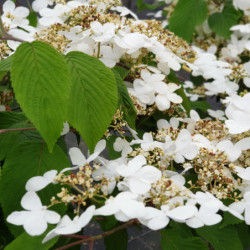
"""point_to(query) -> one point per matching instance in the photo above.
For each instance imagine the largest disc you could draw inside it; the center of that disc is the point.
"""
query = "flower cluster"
(184, 166)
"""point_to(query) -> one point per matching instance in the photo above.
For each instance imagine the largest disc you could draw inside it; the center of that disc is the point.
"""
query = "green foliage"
(221, 22)
(202, 105)
(32, 17)
(124, 100)
(186, 16)
(185, 103)
(5, 64)
(220, 238)
(41, 83)
(117, 240)
(26, 160)
(93, 97)
(172, 240)
(111, 152)
(145, 6)
(27, 242)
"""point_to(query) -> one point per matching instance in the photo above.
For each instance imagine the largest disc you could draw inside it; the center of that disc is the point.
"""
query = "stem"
(2, 131)
(75, 236)
(28, 3)
(100, 236)
(98, 51)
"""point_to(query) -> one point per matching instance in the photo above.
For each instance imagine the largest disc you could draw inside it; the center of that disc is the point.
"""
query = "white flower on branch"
(35, 218)
(68, 226)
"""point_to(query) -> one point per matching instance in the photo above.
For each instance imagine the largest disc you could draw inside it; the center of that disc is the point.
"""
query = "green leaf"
(171, 240)
(93, 98)
(244, 234)
(145, 6)
(9, 118)
(221, 22)
(221, 239)
(117, 240)
(111, 152)
(27, 242)
(28, 159)
(186, 16)
(185, 103)
(124, 101)
(32, 17)
(202, 105)
(41, 82)
(229, 219)
(5, 64)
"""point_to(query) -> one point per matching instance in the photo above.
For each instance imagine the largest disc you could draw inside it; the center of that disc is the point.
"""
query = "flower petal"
(77, 157)
(31, 201)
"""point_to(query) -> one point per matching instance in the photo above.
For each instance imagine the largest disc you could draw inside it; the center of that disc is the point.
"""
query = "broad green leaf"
(93, 98)
(171, 240)
(124, 101)
(5, 64)
(122, 71)
(221, 239)
(221, 22)
(117, 240)
(28, 159)
(9, 118)
(145, 6)
(186, 16)
(41, 82)
(27, 242)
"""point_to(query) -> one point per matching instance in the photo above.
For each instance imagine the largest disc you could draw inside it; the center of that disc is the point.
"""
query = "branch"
(100, 236)
(2, 131)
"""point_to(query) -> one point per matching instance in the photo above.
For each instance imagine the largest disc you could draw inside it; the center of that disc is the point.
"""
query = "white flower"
(138, 178)
(79, 160)
(2, 108)
(243, 205)
(166, 95)
(124, 11)
(35, 218)
(121, 145)
(37, 183)
(68, 226)
(110, 56)
(238, 114)
(242, 5)
(14, 16)
(154, 219)
(246, 80)
(147, 142)
(182, 148)
(124, 206)
(217, 114)
(102, 33)
(233, 151)
(243, 173)
(181, 213)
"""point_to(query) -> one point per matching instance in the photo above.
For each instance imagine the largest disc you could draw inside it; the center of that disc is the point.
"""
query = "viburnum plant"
(137, 95)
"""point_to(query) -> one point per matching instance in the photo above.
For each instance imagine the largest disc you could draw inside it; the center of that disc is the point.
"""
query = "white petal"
(37, 5)
(86, 216)
(210, 219)
(195, 222)
(51, 217)
(162, 102)
(182, 213)
(8, 6)
(100, 146)
(149, 174)
(247, 213)
(18, 218)
(77, 157)
(31, 201)
(133, 209)
(158, 222)
(50, 175)
(35, 226)
(36, 183)
(138, 186)
(108, 209)
(21, 12)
